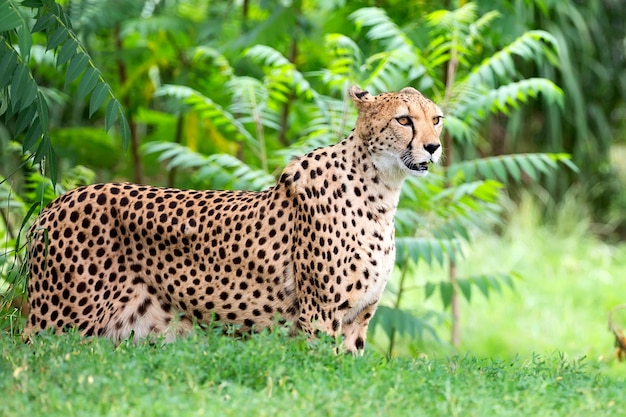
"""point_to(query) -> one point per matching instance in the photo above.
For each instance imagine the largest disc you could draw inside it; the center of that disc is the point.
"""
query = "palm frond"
(218, 60)
(381, 28)
(511, 96)
(250, 102)
(535, 45)
(429, 250)
(453, 20)
(330, 120)
(400, 63)
(507, 168)
(282, 76)
(346, 58)
(219, 171)
(207, 108)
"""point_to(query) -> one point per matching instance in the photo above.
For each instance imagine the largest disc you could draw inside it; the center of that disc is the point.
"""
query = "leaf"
(42, 110)
(32, 135)
(53, 164)
(68, 50)
(429, 289)
(42, 151)
(25, 41)
(99, 94)
(29, 92)
(403, 322)
(9, 17)
(482, 284)
(7, 67)
(527, 167)
(512, 168)
(484, 168)
(466, 288)
(24, 119)
(77, 65)
(446, 290)
(111, 114)
(87, 82)
(43, 23)
(498, 169)
(57, 37)
(568, 162)
(125, 129)
(18, 84)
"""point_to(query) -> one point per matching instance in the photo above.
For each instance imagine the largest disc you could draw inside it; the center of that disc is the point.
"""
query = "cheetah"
(122, 260)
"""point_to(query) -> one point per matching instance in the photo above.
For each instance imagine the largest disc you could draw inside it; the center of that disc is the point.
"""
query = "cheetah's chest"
(378, 269)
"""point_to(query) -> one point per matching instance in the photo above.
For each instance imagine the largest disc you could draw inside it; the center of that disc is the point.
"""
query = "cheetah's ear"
(361, 98)
(409, 90)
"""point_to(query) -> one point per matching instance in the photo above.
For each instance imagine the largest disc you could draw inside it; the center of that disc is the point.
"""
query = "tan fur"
(316, 249)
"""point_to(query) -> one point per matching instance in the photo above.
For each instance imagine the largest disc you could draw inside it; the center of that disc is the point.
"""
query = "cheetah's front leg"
(355, 331)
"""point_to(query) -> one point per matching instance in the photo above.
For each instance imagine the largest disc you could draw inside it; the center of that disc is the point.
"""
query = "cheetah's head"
(401, 131)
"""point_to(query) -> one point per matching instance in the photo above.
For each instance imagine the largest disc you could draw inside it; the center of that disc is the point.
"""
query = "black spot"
(359, 343)
(102, 199)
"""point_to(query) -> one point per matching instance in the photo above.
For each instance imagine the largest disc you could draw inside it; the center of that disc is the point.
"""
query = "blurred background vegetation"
(529, 204)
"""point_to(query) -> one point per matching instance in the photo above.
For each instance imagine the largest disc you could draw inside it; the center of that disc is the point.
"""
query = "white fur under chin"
(392, 171)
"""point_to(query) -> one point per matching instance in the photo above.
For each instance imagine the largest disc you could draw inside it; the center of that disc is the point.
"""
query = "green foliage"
(485, 283)
(589, 37)
(24, 102)
(217, 171)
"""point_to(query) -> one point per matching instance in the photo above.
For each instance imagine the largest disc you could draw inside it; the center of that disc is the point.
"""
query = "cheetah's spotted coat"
(316, 249)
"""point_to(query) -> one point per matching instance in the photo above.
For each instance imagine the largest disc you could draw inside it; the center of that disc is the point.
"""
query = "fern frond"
(460, 130)
(249, 100)
(428, 250)
(219, 171)
(534, 45)
(476, 28)
(453, 20)
(24, 96)
(486, 283)
(506, 168)
(451, 210)
(405, 323)
(330, 120)
(400, 64)
(381, 28)
(207, 108)
(346, 59)
(282, 75)
(512, 95)
(386, 71)
(155, 24)
(219, 61)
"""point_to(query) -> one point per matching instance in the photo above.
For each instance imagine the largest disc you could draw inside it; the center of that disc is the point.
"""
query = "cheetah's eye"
(437, 120)
(404, 121)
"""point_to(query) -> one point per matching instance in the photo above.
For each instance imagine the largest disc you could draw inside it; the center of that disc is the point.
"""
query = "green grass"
(271, 375)
(571, 280)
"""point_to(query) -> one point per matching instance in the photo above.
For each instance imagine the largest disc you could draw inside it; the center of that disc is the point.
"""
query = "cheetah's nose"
(431, 147)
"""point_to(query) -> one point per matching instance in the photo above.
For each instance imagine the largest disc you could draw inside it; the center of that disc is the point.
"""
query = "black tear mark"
(361, 94)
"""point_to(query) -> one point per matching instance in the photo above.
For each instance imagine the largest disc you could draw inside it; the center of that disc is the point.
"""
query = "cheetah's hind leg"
(147, 320)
